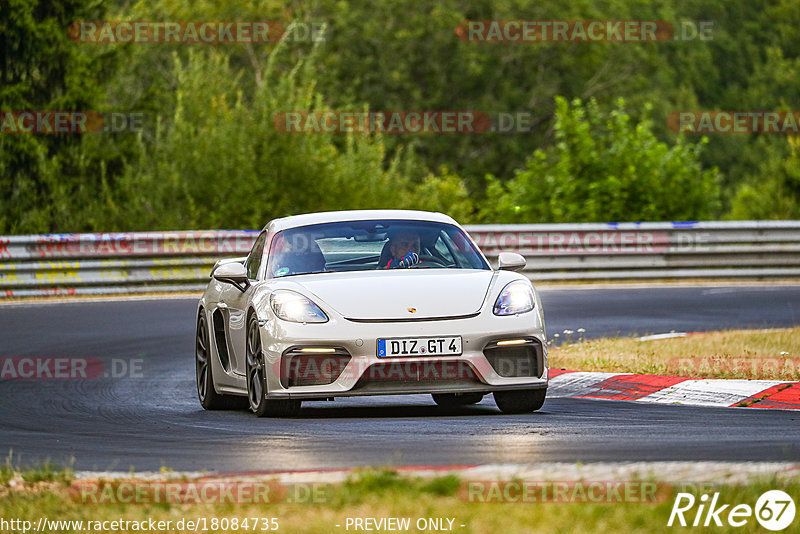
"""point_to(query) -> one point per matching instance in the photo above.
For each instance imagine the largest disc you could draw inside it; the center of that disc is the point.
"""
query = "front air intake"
(312, 366)
(525, 359)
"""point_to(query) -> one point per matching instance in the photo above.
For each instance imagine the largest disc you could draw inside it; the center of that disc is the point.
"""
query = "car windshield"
(371, 245)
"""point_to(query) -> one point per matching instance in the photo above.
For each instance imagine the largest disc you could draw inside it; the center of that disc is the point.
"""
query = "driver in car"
(404, 247)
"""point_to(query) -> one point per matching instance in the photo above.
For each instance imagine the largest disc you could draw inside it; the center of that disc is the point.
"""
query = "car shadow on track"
(320, 411)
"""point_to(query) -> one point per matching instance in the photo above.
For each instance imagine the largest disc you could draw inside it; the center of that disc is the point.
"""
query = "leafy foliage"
(218, 161)
(43, 70)
(210, 155)
(776, 193)
(603, 167)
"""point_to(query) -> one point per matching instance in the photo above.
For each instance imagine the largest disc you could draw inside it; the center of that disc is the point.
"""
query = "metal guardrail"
(75, 264)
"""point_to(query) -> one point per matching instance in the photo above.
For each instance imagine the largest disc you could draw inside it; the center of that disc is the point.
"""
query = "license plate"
(419, 346)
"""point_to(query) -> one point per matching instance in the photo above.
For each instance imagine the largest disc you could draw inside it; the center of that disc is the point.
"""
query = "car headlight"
(294, 307)
(516, 297)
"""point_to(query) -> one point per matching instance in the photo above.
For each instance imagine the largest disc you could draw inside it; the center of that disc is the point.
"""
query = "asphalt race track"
(153, 419)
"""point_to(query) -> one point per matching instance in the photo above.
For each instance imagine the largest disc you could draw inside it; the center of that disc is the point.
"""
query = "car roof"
(306, 219)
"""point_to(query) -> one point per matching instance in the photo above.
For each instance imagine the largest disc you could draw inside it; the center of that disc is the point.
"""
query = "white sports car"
(379, 302)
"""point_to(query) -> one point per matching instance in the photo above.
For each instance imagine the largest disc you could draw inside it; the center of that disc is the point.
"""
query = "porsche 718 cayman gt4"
(381, 302)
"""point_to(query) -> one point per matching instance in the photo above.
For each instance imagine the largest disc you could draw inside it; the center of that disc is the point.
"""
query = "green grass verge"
(753, 354)
(385, 493)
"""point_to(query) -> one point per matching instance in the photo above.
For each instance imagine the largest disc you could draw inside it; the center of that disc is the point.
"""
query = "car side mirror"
(511, 261)
(234, 274)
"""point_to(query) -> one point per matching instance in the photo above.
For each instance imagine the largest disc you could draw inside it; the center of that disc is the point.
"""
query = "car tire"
(520, 400)
(256, 379)
(204, 374)
(451, 400)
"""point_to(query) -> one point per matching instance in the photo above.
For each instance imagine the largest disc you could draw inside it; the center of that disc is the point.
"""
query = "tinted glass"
(370, 245)
(254, 259)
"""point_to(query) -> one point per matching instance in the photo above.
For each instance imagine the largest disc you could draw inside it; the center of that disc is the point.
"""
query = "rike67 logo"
(774, 510)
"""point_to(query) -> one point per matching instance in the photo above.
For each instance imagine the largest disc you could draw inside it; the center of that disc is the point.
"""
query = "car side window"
(256, 254)
(443, 250)
(463, 255)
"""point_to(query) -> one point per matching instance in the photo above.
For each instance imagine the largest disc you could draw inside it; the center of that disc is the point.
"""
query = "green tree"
(220, 161)
(446, 192)
(774, 193)
(405, 54)
(41, 176)
(209, 106)
(605, 167)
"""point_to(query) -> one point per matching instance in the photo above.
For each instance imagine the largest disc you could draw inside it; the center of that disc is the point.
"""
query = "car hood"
(392, 294)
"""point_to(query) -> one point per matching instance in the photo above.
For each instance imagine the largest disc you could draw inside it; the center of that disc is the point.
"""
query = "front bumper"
(364, 373)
